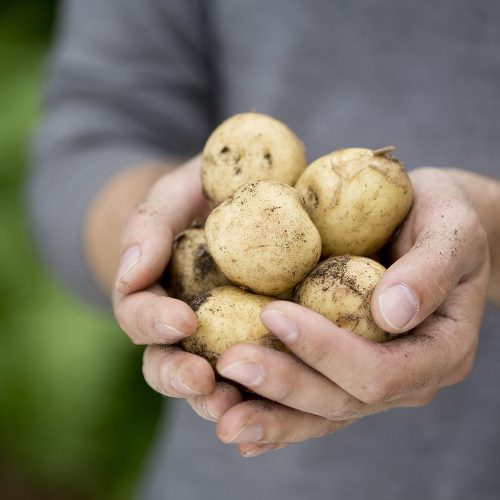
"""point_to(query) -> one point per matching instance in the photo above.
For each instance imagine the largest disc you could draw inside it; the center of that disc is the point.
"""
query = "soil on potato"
(199, 300)
(204, 263)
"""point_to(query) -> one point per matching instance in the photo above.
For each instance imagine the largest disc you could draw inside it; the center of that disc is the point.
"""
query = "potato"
(192, 269)
(357, 198)
(262, 238)
(249, 147)
(228, 316)
(340, 288)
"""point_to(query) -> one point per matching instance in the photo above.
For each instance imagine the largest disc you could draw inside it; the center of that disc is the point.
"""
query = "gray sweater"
(134, 80)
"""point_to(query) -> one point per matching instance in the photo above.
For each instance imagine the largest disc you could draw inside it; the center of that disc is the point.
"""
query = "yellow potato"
(357, 198)
(340, 288)
(249, 147)
(192, 270)
(262, 238)
(228, 316)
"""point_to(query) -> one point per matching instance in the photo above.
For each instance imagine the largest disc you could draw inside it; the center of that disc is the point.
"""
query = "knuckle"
(286, 381)
(377, 383)
(375, 392)
(284, 391)
(316, 353)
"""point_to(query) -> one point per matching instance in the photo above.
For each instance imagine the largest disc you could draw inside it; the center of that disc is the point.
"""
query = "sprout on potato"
(356, 197)
(262, 238)
(249, 147)
(228, 316)
(340, 288)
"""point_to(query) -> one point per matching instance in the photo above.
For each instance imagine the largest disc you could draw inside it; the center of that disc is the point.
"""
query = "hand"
(143, 309)
(436, 288)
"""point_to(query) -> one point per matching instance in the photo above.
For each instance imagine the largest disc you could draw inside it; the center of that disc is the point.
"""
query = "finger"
(173, 202)
(262, 421)
(449, 244)
(419, 399)
(173, 372)
(149, 317)
(437, 353)
(215, 404)
(282, 378)
(254, 450)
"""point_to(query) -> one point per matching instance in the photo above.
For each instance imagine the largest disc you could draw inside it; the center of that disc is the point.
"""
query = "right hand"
(145, 312)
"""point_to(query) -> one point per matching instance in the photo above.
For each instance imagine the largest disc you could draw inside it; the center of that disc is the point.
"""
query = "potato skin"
(249, 147)
(262, 238)
(228, 316)
(357, 198)
(340, 288)
(192, 269)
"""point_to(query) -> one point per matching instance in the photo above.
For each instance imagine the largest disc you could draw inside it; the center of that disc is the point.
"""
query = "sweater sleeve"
(128, 81)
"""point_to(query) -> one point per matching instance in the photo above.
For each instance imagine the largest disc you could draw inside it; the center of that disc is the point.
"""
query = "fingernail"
(182, 388)
(249, 434)
(169, 331)
(208, 413)
(259, 450)
(244, 372)
(128, 260)
(280, 324)
(398, 306)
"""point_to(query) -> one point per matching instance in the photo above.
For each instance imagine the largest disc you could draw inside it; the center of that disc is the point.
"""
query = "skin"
(441, 264)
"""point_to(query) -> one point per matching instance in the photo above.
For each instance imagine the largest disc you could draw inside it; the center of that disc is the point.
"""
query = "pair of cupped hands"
(436, 287)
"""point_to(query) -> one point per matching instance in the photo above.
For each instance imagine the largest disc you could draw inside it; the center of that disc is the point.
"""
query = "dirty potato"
(192, 269)
(262, 238)
(356, 197)
(228, 316)
(249, 147)
(340, 288)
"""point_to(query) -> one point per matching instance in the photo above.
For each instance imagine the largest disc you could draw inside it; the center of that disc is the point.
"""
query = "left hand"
(436, 288)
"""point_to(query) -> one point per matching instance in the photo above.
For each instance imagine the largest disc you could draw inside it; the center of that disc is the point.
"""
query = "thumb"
(173, 202)
(419, 282)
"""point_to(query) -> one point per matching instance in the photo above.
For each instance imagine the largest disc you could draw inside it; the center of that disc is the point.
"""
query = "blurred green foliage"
(75, 416)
